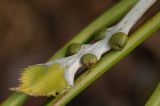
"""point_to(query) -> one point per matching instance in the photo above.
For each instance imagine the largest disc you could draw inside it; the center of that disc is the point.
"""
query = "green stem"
(105, 20)
(16, 99)
(154, 100)
(108, 60)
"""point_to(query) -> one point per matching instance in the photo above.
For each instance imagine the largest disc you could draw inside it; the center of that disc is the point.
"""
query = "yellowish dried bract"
(42, 80)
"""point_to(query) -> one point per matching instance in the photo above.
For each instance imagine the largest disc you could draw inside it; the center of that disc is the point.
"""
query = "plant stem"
(16, 99)
(108, 60)
(154, 100)
(105, 20)
(109, 17)
(72, 63)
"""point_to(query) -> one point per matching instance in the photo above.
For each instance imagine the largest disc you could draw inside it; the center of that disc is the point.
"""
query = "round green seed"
(100, 35)
(118, 41)
(73, 48)
(89, 60)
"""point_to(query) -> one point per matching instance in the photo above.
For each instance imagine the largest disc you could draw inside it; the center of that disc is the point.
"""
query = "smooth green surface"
(110, 16)
(16, 99)
(100, 34)
(109, 60)
(73, 48)
(118, 41)
(89, 60)
(154, 100)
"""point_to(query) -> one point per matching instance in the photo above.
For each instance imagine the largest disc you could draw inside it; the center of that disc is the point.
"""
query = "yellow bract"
(41, 80)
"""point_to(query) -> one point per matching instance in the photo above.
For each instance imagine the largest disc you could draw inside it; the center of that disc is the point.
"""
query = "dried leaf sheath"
(41, 80)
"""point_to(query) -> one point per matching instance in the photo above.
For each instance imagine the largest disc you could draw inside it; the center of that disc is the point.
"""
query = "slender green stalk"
(154, 100)
(17, 99)
(108, 60)
(109, 17)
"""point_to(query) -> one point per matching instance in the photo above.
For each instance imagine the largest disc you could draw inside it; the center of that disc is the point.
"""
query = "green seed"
(118, 41)
(73, 48)
(89, 60)
(100, 35)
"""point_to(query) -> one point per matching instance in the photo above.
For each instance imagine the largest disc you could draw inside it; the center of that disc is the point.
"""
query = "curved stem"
(109, 17)
(107, 61)
(154, 100)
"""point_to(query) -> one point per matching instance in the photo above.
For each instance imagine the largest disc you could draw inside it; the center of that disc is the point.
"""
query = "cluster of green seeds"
(117, 42)
(87, 60)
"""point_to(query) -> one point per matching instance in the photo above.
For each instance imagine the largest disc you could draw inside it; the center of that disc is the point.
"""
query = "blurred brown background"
(32, 30)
